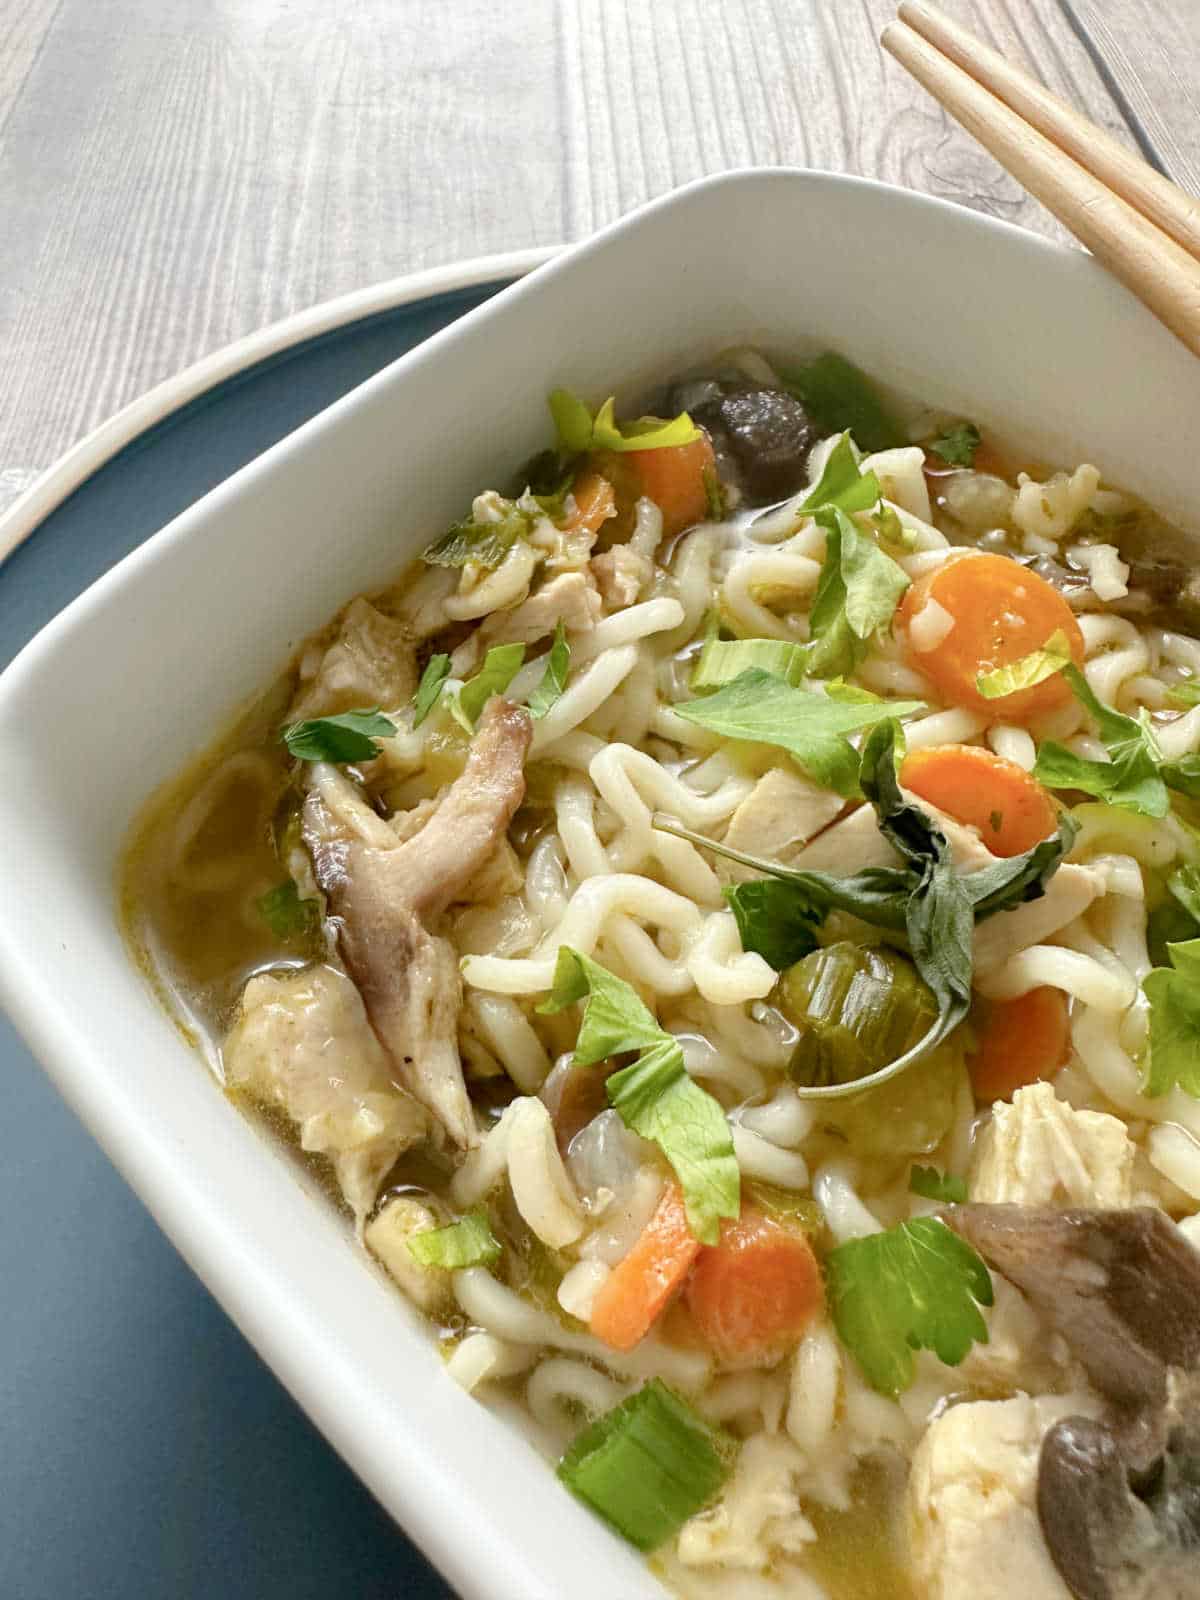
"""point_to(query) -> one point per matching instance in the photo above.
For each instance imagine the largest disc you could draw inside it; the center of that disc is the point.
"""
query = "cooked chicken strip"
(381, 892)
(571, 599)
(370, 662)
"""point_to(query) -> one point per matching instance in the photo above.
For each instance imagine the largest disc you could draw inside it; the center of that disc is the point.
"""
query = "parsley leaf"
(1176, 918)
(916, 1287)
(837, 395)
(857, 595)
(1032, 669)
(437, 670)
(349, 736)
(765, 709)
(1130, 778)
(655, 1096)
(934, 1185)
(500, 667)
(554, 679)
(842, 482)
(776, 920)
(283, 911)
(1174, 996)
(485, 543)
(578, 430)
(958, 444)
(467, 1243)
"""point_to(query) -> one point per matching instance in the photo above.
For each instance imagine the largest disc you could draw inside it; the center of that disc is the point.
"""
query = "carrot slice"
(636, 1292)
(595, 503)
(752, 1295)
(1011, 809)
(675, 480)
(1020, 1041)
(999, 612)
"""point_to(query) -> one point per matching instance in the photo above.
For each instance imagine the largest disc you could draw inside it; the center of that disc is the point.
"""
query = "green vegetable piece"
(554, 679)
(850, 693)
(485, 543)
(1185, 694)
(1184, 886)
(842, 482)
(500, 667)
(349, 736)
(777, 921)
(469, 1242)
(654, 1097)
(1032, 669)
(1183, 775)
(908, 1115)
(437, 670)
(856, 1007)
(1173, 1060)
(765, 709)
(839, 396)
(713, 494)
(723, 660)
(934, 1185)
(283, 911)
(785, 1205)
(958, 444)
(648, 1465)
(857, 595)
(917, 1286)
(1130, 778)
(578, 430)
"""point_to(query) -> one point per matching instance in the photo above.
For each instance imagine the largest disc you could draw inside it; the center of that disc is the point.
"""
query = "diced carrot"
(636, 1292)
(1020, 1041)
(752, 1295)
(1011, 809)
(675, 480)
(595, 503)
(1000, 611)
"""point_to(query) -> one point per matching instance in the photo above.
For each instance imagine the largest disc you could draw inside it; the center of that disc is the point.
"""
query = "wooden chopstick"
(1126, 174)
(1163, 275)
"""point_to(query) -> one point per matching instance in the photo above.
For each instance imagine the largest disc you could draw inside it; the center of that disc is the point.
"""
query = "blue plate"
(147, 1451)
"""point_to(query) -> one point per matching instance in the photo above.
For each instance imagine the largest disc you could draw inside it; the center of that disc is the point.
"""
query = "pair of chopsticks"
(1133, 220)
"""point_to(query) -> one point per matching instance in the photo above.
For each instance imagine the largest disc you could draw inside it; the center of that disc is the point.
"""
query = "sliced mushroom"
(382, 891)
(764, 436)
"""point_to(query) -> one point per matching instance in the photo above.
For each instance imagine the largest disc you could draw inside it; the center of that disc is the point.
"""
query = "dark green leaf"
(500, 667)
(349, 736)
(839, 396)
(436, 672)
(283, 911)
(934, 1185)
(958, 444)
(485, 543)
(776, 920)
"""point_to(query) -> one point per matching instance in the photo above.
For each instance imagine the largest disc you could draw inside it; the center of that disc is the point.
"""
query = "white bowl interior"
(146, 667)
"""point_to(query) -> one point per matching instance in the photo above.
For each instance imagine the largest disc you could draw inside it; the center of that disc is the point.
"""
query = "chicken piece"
(1068, 895)
(381, 893)
(758, 1518)
(621, 574)
(1040, 1151)
(386, 1237)
(974, 1524)
(571, 599)
(369, 663)
(303, 1043)
(777, 819)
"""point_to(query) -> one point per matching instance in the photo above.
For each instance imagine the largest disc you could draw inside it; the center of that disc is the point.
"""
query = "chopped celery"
(857, 1007)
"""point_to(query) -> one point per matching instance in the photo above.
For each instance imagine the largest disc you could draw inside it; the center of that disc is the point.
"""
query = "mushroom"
(1119, 1497)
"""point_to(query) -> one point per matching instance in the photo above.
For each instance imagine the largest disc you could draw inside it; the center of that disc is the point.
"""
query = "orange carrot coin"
(1011, 809)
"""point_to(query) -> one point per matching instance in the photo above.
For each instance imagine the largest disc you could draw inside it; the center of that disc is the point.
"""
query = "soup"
(724, 925)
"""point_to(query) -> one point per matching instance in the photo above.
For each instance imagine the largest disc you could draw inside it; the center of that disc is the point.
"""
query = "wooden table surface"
(176, 173)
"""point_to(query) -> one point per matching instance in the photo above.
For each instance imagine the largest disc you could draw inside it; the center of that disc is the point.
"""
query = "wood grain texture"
(175, 173)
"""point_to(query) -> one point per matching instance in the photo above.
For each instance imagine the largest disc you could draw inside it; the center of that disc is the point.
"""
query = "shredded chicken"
(387, 1236)
(621, 574)
(303, 1043)
(1040, 1151)
(382, 892)
(369, 663)
(777, 818)
(571, 599)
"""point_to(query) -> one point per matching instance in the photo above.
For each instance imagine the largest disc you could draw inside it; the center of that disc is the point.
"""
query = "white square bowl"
(141, 671)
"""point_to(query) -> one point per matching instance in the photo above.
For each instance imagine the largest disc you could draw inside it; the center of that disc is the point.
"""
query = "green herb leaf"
(764, 709)
(857, 595)
(350, 736)
(485, 543)
(1130, 778)
(887, 524)
(850, 693)
(283, 911)
(776, 920)
(649, 1465)
(958, 444)
(1177, 918)
(500, 667)
(842, 483)
(915, 1287)
(1174, 995)
(578, 430)
(1184, 885)
(1183, 775)
(1032, 669)
(723, 660)
(437, 670)
(839, 396)
(554, 679)
(655, 1097)
(934, 1185)
(1186, 693)
(467, 1243)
